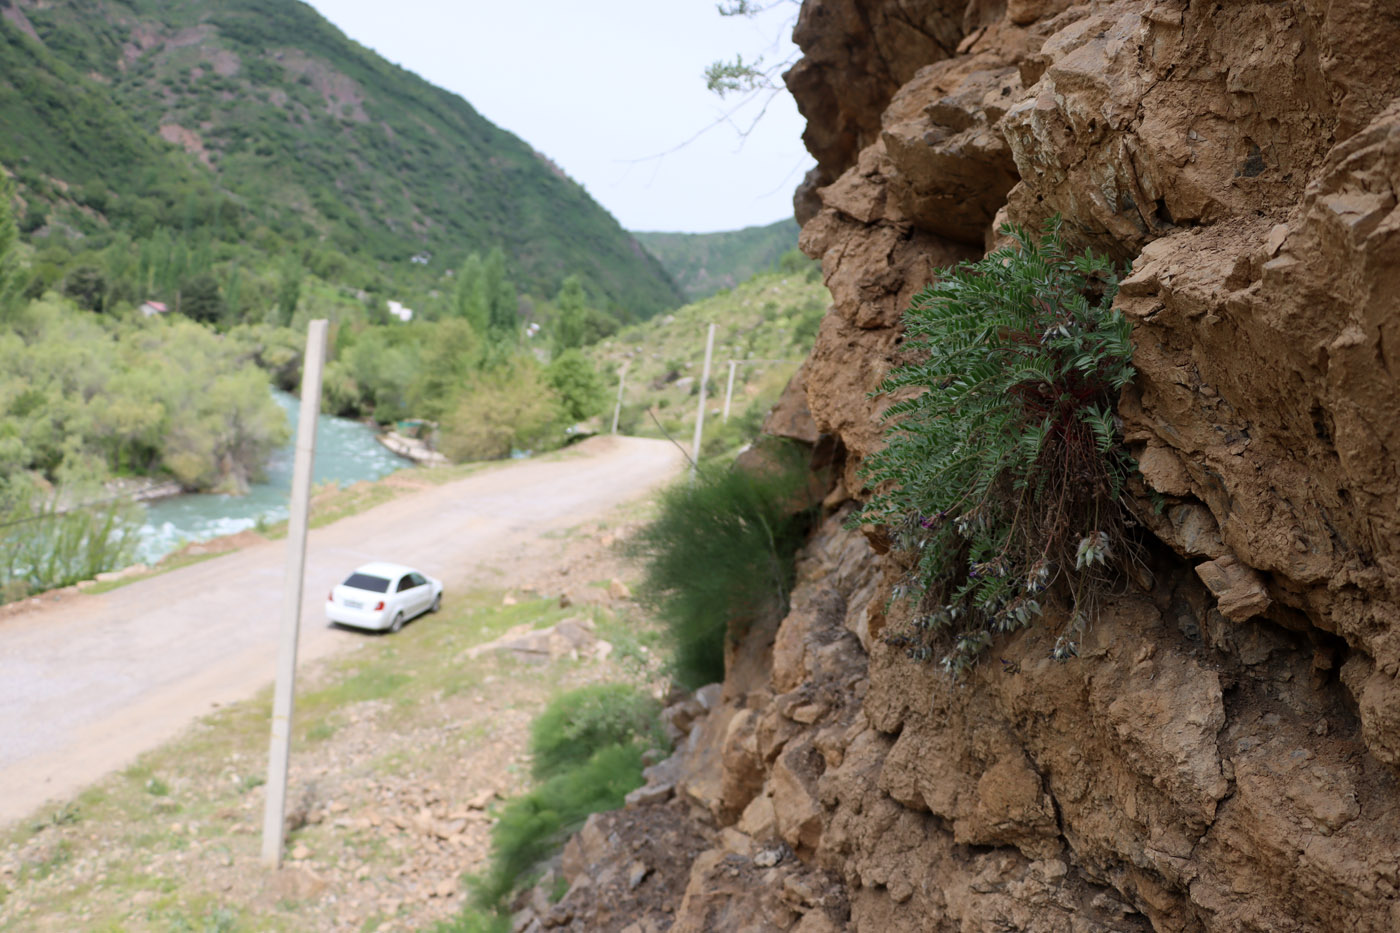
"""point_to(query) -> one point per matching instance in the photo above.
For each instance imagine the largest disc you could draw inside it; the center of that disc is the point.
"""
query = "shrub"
(531, 827)
(43, 546)
(1002, 474)
(579, 723)
(720, 555)
(508, 408)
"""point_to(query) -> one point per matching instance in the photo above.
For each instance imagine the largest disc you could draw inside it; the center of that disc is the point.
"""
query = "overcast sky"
(613, 93)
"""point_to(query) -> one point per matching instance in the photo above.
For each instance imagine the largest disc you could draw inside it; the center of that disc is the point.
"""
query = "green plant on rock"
(579, 723)
(1003, 469)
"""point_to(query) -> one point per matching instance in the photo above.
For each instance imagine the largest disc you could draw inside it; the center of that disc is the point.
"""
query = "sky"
(614, 93)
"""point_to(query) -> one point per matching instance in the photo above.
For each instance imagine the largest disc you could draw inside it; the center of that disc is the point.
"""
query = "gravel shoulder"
(92, 681)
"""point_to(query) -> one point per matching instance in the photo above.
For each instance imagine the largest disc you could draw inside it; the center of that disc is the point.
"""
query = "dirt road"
(90, 682)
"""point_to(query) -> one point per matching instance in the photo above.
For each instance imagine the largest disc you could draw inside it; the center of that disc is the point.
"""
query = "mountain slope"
(703, 263)
(270, 108)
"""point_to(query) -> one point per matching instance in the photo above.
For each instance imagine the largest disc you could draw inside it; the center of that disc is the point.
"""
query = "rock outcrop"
(1224, 755)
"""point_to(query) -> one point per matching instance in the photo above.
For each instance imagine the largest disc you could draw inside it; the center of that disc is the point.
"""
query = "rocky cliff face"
(1224, 753)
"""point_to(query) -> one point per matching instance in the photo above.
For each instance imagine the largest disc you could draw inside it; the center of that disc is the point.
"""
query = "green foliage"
(86, 286)
(529, 828)
(448, 363)
(200, 299)
(577, 384)
(508, 408)
(575, 322)
(485, 296)
(1003, 469)
(578, 724)
(720, 556)
(9, 238)
(588, 747)
(703, 263)
(737, 76)
(350, 185)
(769, 322)
(81, 393)
(45, 544)
(475, 920)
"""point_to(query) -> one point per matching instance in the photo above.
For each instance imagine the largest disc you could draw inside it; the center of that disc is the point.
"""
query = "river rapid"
(346, 452)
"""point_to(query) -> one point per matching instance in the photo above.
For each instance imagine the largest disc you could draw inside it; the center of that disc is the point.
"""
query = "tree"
(289, 279)
(448, 362)
(9, 236)
(577, 323)
(485, 297)
(87, 286)
(576, 382)
(200, 299)
(570, 315)
(471, 301)
(500, 297)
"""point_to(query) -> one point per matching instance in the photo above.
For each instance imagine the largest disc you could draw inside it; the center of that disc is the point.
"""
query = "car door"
(422, 592)
(405, 597)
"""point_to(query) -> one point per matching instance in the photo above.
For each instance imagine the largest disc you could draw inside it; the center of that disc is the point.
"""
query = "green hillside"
(258, 122)
(769, 322)
(703, 263)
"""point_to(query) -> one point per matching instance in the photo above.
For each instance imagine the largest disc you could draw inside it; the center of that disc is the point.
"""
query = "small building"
(152, 308)
(400, 312)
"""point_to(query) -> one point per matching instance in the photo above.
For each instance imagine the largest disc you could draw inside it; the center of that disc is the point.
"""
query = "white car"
(383, 596)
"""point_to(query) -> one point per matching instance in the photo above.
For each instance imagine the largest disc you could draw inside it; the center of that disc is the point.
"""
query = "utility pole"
(729, 390)
(279, 750)
(621, 381)
(700, 412)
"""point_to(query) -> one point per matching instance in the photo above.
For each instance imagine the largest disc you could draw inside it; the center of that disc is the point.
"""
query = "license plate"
(352, 604)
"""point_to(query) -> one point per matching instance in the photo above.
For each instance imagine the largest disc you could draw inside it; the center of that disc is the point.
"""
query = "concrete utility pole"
(700, 412)
(279, 750)
(729, 390)
(621, 381)
(734, 364)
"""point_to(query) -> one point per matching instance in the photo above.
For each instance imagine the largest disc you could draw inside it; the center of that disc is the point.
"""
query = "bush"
(42, 547)
(1002, 475)
(579, 723)
(508, 408)
(588, 747)
(531, 827)
(720, 556)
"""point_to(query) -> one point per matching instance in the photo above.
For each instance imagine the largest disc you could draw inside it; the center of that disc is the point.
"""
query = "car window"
(406, 583)
(363, 581)
(417, 579)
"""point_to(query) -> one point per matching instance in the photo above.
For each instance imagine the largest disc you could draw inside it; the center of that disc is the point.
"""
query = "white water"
(346, 452)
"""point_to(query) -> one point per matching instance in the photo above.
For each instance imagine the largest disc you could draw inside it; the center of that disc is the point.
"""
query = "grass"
(773, 317)
(579, 723)
(587, 749)
(720, 555)
(199, 794)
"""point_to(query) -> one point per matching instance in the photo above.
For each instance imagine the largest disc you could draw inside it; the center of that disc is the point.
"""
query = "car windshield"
(363, 581)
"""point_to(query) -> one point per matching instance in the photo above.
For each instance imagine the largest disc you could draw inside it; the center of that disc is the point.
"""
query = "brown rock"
(1239, 589)
(295, 884)
(796, 810)
(791, 418)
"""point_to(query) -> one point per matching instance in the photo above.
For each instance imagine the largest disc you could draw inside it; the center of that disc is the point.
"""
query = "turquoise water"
(346, 452)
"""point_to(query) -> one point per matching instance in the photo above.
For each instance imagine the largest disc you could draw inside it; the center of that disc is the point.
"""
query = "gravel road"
(90, 682)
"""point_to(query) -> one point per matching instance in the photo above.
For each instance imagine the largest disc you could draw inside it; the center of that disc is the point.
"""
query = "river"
(346, 452)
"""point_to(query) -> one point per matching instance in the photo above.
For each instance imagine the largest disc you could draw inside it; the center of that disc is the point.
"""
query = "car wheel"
(397, 625)
(437, 603)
